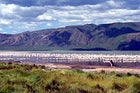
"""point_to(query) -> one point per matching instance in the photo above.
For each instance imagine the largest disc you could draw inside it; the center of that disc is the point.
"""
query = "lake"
(70, 56)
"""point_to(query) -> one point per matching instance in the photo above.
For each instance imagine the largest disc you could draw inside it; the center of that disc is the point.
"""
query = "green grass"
(17, 78)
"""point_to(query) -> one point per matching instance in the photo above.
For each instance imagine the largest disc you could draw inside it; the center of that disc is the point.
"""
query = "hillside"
(114, 36)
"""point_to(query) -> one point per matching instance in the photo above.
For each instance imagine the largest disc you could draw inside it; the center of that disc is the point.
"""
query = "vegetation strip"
(23, 78)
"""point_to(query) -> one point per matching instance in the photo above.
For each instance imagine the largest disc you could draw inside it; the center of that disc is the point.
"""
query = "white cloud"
(7, 9)
(49, 24)
(45, 17)
(5, 22)
(21, 18)
(89, 13)
(1, 29)
(113, 3)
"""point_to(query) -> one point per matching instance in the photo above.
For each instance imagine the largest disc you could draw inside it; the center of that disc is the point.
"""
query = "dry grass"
(21, 78)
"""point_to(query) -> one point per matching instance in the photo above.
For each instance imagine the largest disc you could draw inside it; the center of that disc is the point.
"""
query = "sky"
(17, 16)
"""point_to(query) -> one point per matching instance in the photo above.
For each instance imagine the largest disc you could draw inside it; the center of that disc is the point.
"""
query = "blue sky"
(28, 15)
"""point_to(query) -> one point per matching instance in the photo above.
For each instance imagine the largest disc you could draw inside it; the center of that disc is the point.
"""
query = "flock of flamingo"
(67, 57)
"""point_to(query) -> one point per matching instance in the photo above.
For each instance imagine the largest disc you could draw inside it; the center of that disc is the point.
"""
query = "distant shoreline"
(85, 68)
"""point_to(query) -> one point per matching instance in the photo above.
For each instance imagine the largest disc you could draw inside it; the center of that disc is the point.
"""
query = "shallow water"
(70, 56)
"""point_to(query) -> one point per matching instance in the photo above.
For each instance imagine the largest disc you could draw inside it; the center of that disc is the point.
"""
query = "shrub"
(119, 87)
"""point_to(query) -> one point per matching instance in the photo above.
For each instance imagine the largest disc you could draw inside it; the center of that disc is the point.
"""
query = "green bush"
(20, 78)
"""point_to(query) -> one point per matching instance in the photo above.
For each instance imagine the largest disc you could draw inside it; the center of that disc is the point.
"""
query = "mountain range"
(112, 36)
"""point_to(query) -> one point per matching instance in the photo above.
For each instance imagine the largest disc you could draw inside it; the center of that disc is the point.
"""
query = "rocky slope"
(114, 36)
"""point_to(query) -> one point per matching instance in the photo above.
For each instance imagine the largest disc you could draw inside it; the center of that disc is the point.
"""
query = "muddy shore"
(132, 68)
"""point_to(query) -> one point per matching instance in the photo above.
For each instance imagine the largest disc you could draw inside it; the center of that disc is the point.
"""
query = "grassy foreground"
(21, 78)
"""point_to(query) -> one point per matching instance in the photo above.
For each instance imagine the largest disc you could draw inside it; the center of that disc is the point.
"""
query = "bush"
(119, 87)
(18, 79)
